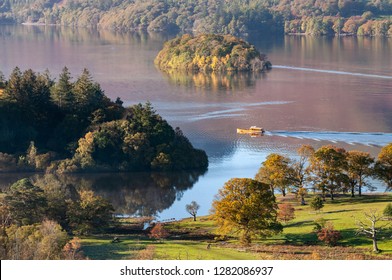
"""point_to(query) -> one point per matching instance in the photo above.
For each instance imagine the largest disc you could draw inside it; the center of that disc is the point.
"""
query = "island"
(211, 53)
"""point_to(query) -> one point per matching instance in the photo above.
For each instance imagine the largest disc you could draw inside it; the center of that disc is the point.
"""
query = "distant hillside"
(210, 53)
(236, 17)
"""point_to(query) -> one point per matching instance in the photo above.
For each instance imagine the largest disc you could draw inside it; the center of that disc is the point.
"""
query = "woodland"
(236, 17)
(68, 126)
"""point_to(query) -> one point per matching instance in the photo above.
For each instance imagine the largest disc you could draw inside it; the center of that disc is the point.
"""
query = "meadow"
(199, 240)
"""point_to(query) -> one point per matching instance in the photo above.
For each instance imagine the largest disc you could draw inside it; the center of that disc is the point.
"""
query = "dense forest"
(71, 126)
(236, 17)
(210, 53)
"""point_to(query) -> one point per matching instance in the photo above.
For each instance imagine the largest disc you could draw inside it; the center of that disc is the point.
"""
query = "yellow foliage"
(85, 146)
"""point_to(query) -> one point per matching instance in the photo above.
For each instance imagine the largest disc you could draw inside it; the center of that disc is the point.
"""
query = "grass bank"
(197, 240)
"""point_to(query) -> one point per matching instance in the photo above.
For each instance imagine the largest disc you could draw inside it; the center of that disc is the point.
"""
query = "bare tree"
(192, 209)
(370, 228)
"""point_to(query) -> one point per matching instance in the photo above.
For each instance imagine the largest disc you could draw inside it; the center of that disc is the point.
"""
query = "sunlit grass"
(343, 213)
(189, 239)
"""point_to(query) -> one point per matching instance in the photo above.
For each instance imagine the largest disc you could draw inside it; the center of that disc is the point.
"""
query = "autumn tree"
(43, 241)
(246, 207)
(276, 172)
(192, 209)
(72, 250)
(328, 164)
(358, 169)
(90, 213)
(383, 166)
(301, 171)
(158, 232)
(286, 212)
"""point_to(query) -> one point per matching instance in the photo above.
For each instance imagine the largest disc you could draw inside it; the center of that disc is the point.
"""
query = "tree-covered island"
(71, 126)
(210, 53)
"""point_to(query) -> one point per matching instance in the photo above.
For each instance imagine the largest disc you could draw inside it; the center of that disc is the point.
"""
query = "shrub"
(316, 203)
(158, 232)
(329, 235)
(286, 212)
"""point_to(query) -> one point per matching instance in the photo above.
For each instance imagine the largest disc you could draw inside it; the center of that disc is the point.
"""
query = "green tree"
(246, 207)
(358, 169)
(276, 172)
(27, 202)
(87, 93)
(388, 211)
(316, 203)
(383, 168)
(2, 81)
(61, 92)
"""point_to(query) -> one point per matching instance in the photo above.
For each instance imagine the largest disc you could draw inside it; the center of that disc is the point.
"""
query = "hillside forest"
(69, 126)
(235, 17)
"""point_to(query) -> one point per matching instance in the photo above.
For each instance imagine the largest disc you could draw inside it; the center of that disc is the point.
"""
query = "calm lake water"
(320, 91)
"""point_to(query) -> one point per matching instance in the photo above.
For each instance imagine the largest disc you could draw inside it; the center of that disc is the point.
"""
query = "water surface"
(321, 91)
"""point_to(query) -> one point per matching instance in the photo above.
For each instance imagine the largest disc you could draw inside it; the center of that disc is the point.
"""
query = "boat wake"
(332, 72)
(352, 138)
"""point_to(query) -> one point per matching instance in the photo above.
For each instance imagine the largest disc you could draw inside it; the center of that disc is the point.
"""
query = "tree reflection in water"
(134, 194)
(214, 81)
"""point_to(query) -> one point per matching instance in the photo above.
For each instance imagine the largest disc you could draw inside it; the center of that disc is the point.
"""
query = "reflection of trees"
(89, 36)
(214, 81)
(140, 194)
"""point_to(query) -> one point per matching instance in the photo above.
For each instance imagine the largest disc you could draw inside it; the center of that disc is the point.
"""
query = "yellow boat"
(253, 131)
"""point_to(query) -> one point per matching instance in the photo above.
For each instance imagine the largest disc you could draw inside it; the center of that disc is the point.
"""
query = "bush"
(316, 203)
(329, 235)
(158, 232)
(286, 212)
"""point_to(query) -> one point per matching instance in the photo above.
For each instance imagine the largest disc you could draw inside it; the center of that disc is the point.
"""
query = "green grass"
(342, 213)
(189, 239)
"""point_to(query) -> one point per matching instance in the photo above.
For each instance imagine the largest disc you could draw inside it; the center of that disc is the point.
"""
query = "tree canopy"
(236, 17)
(71, 126)
(210, 53)
(246, 207)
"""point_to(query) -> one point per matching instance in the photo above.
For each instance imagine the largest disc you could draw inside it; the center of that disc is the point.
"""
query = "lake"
(320, 91)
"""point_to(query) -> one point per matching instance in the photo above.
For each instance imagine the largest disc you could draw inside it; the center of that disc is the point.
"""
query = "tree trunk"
(360, 190)
(375, 247)
(352, 191)
(303, 202)
(194, 218)
(331, 192)
(283, 191)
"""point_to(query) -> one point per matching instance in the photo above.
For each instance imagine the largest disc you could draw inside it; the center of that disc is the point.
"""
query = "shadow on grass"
(366, 198)
(340, 211)
(301, 223)
(301, 239)
(102, 247)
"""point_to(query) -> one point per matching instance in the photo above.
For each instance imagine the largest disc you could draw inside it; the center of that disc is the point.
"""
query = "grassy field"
(190, 240)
